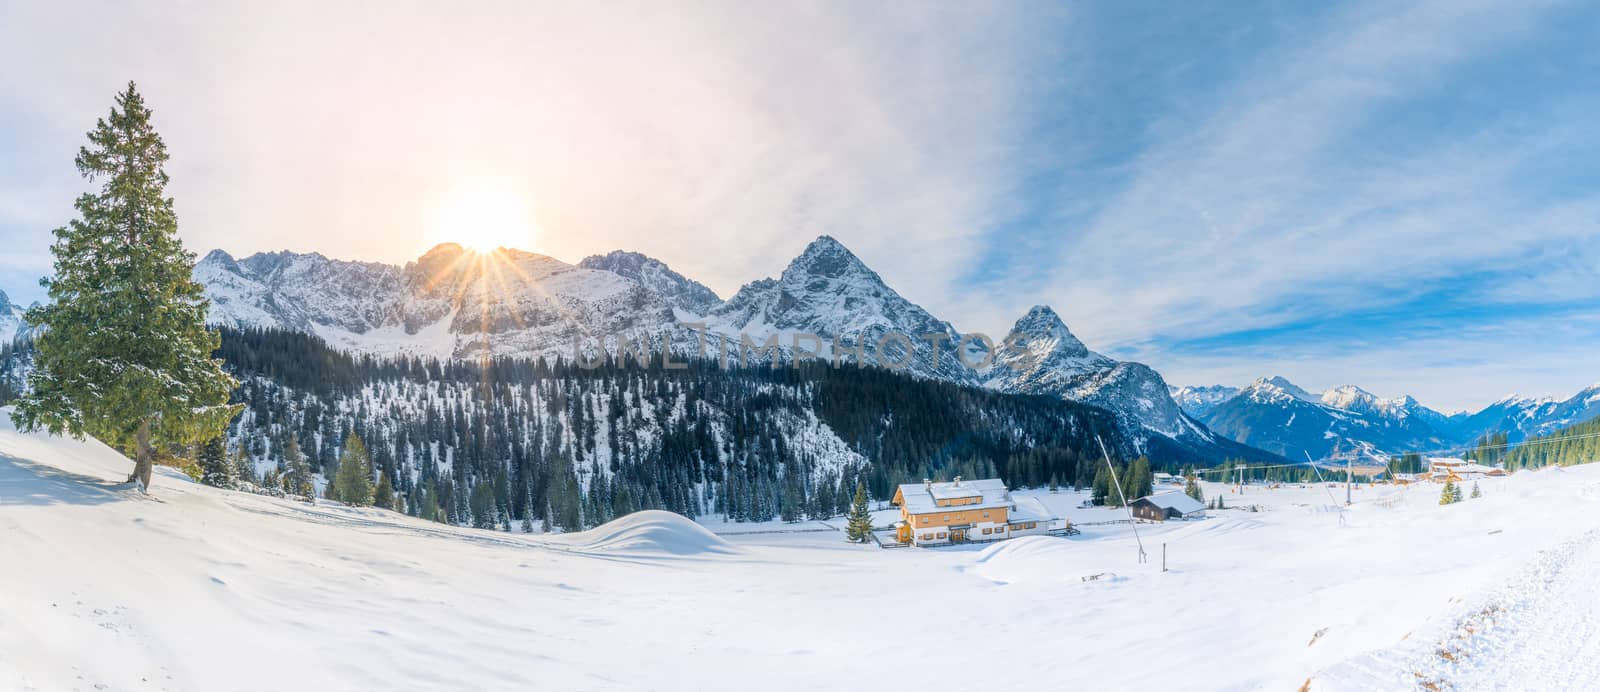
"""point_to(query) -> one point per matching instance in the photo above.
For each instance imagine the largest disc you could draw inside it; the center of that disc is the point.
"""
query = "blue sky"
(1400, 196)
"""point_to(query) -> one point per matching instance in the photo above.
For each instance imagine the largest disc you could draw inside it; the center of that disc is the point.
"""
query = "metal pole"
(1163, 557)
(1115, 482)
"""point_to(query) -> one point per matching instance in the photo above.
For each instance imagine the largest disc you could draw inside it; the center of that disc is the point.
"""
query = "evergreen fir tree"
(122, 351)
(1476, 493)
(297, 478)
(352, 483)
(383, 494)
(1449, 494)
(215, 470)
(858, 528)
(1140, 481)
(243, 469)
(1192, 489)
(430, 503)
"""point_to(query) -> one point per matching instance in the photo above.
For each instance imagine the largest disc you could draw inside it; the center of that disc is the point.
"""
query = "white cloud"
(720, 137)
(1271, 210)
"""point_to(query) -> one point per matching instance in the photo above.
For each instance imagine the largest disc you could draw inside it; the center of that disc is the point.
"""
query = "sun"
(483, 217)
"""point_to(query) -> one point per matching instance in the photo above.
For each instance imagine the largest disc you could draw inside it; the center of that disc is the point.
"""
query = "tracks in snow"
(1540, 631)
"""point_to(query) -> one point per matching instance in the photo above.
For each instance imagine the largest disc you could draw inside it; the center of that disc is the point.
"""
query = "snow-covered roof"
(942, 491)
(922, 499)
(1175, 500)
(1030, 509)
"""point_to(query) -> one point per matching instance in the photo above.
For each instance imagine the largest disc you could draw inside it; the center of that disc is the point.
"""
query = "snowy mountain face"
(11, 322)
(680, 292)
(1274, 414)
(1198, 401)
(1041, 356)
(829, 292)
(454, 303)
(448, 303)
(1521, 418)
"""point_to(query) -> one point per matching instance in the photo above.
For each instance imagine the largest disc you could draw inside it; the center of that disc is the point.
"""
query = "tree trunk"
(143, 461)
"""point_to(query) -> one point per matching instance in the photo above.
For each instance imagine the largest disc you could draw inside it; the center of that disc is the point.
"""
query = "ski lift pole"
(1324, 484)
(1118, 484)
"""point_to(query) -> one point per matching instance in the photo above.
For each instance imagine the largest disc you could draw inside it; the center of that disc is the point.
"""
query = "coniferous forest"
(508, 443)
(1577, 444)
(503, 443)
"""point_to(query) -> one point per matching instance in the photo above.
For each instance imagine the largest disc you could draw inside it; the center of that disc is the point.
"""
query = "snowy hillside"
(193, 588)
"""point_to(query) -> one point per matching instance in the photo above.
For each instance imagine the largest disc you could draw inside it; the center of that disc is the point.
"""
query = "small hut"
(1170, 505)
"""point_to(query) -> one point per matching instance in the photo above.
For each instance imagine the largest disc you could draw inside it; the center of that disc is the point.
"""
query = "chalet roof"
(922, 499)
(1175, 500)
(1029, 509)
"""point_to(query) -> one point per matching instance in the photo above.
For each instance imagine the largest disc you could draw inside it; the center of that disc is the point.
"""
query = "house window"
(924, 520)
(947, 517)
(941, 534)
(986, 515)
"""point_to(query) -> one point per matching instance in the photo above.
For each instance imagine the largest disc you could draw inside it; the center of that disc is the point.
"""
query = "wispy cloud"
(719, 136)
(1306, 193)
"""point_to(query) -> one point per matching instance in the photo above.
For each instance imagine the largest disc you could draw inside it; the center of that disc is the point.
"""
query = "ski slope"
(192, 588)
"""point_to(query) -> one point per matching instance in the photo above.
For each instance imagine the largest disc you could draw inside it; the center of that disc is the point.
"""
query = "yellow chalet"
(962, 511)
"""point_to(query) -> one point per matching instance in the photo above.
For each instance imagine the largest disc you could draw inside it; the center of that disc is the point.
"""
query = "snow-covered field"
(193, 588)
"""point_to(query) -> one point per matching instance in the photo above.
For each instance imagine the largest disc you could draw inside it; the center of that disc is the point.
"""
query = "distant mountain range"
(1275, 415)
(454, 303)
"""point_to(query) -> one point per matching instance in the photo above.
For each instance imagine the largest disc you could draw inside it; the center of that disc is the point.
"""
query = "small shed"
(1170, 505)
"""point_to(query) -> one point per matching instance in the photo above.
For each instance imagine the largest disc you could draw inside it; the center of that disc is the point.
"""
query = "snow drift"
(650, 532)
(1031, 558)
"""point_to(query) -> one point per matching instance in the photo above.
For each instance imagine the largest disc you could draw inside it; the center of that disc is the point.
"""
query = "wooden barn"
(1170, 505)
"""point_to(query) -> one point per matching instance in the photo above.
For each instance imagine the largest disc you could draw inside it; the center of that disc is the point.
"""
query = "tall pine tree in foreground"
(859, 527)
(123, 353)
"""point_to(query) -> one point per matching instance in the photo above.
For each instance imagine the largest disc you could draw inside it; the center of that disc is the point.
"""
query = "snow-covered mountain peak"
(1045, 331)
(1199, 400)
(827, 257)
(218, 258)
(1041, 356)
(682, 292)
(1352, 398)
(1277, 388)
